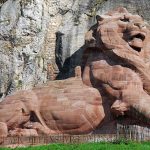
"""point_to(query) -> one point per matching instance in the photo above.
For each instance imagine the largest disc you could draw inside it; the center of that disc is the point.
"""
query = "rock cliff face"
(27, 39)
(39, 38)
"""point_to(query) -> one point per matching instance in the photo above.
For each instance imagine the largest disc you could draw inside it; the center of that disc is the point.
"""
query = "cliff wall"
(41, 39)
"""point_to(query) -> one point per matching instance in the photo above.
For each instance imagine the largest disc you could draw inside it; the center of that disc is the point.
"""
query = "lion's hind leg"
(38, 123)
(23, 132)
(39, 128)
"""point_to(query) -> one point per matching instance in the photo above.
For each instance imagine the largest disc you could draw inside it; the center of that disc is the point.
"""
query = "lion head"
(121, 31)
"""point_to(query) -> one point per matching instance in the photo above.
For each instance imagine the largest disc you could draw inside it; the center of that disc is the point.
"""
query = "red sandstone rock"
(3, 129)
(119, 64)
(23, 132)
(66, 106)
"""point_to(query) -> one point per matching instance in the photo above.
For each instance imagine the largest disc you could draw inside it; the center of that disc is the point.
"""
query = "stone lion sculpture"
(114, 82)
(117, 62)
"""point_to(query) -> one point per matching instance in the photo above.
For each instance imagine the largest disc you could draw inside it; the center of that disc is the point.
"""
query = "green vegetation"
(91, 146)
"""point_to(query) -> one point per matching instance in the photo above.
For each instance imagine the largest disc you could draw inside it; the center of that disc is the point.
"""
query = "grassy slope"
(90, 146)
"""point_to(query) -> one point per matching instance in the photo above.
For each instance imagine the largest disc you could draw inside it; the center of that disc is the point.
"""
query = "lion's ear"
(99, 18)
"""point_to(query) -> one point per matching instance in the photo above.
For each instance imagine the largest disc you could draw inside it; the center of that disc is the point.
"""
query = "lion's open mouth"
(136, 40)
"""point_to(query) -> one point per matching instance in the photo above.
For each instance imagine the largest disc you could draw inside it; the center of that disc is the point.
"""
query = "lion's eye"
(125, 19)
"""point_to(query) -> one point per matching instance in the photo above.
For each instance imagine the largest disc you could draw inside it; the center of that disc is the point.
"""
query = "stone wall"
(39, 38)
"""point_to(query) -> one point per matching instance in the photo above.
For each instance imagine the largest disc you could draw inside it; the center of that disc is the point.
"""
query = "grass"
(90, 146)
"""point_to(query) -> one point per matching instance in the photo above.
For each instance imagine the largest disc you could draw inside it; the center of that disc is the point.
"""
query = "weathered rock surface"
(28, 40)
(79, 19)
